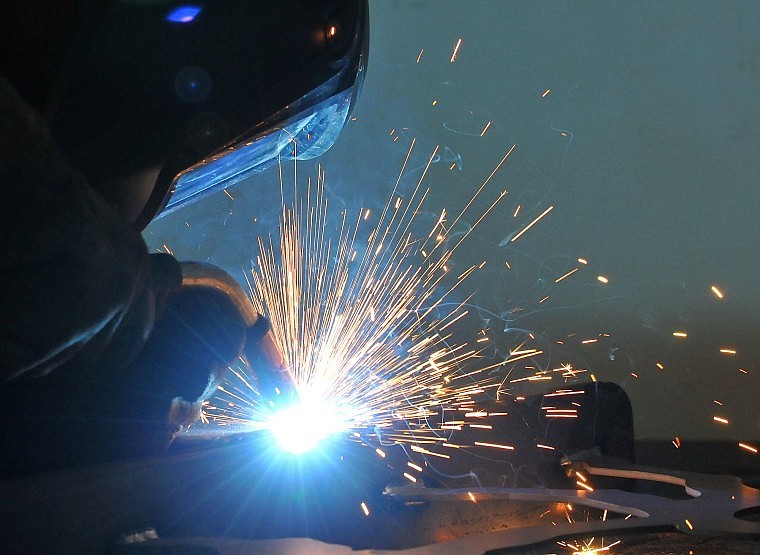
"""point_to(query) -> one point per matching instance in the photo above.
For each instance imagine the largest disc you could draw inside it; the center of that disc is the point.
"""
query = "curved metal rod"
(199, 274)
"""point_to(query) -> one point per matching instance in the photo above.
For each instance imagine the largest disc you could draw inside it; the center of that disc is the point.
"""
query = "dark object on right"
(580, 421)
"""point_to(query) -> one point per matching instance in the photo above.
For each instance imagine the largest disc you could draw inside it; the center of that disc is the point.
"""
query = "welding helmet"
(159, 104)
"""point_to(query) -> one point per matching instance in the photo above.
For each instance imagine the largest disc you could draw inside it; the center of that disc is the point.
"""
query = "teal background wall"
(647, 146)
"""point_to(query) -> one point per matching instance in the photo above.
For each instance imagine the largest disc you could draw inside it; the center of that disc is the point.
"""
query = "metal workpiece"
(709, 507)
(219, 497)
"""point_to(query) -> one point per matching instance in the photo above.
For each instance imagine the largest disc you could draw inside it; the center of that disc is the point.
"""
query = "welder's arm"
(267, 363)
(274, 379)
(73, 274)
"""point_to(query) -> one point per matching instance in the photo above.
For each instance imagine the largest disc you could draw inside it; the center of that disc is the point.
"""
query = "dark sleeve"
(73, 273)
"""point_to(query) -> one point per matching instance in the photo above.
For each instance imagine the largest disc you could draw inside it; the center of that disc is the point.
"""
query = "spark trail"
(364, 326)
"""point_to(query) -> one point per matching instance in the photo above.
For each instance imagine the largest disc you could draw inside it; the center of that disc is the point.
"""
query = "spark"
(362, 312)
(419, 56)
(528, 354)
(546, 93)
(456, 50)
(589, 546)
(588, 550)
(449, 323)
(603, 279)
(423, 451)
(531, 224)
(226, 192)
(365, 508)
(494, 445)
(584, 485)
(482, 133)
(748, 447)
(717, 292)
(568, 274)
(582, 261)
(727, 351)
(553, 411)
(681, 334)
(720, 419)
(537, 378)
(562, 393)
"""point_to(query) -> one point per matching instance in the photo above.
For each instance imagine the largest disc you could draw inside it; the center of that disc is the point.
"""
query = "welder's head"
(158, 105)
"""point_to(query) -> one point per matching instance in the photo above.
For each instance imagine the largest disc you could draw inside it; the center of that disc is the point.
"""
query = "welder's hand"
(274, 379)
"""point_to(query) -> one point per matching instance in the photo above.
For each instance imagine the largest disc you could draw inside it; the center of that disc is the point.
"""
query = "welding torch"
(260, 352)
(275, 382)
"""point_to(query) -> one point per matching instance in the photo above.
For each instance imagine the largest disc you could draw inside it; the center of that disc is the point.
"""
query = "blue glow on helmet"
(183, 14)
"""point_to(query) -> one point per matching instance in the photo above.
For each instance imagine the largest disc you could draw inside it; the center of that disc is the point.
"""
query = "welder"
(112, 115)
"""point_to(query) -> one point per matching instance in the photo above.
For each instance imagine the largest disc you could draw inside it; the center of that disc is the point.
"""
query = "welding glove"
(265, 360)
